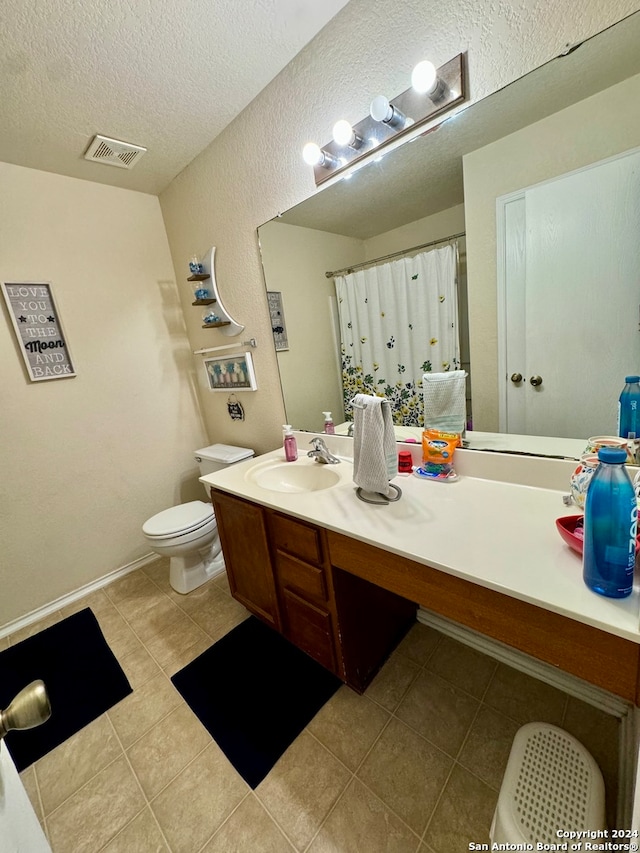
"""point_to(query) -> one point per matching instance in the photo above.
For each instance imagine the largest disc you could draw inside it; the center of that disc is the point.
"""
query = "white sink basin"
(304, 475)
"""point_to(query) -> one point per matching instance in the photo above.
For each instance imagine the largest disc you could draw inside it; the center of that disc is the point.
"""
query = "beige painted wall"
(295, 261)
(86, 460)
(254, 169)
(582, 134)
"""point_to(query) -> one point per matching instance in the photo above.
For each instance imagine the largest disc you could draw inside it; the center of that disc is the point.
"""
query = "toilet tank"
(218, 456)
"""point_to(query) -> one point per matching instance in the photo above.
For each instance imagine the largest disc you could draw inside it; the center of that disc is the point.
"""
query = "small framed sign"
(38, 329)
(278, 327)
(231, 373)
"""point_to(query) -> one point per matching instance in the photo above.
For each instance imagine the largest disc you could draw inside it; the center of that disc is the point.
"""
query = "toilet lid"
(179, 519)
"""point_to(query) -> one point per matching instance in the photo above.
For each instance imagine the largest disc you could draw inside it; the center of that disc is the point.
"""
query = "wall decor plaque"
(230, 373)
(278, 327)
(38, 330)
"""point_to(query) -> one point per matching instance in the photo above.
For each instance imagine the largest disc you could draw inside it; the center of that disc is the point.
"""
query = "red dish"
(567, 527)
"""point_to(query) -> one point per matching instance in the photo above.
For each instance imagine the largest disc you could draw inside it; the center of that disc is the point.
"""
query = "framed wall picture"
(38, 329)
(230, 373)
(278, 327)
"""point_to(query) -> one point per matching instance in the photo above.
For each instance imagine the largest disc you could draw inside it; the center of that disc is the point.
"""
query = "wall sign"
(38, 330)
(274, 298)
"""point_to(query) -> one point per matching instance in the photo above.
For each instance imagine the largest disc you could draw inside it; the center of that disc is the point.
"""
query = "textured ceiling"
(164, 74)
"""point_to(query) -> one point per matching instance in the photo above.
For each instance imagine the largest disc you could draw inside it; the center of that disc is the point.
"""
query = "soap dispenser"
(329, 426)
(290, 444)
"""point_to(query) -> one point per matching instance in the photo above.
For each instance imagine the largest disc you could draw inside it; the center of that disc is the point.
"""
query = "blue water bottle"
(610, 524)
(629, 408)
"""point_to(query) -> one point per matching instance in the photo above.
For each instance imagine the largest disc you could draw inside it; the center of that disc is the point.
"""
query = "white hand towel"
(445, 401)
(375, 459)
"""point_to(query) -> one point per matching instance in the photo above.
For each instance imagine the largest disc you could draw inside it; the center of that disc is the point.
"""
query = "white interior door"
(20, 831)
(571, 267)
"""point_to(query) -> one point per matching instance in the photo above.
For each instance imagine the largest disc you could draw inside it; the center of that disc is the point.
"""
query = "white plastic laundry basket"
(551, 783)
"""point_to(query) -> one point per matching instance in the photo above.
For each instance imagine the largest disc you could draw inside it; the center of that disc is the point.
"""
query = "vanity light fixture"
(433, 92)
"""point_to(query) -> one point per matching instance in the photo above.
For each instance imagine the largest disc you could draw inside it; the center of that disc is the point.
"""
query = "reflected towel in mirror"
(445, 402)
(374, 444)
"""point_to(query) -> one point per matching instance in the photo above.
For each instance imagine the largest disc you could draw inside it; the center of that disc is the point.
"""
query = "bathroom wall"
(86, 460)
(254, 169)
(295, 260)
(582, 134)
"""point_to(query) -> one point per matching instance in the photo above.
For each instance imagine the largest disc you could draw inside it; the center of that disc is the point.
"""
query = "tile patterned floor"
(414, 765)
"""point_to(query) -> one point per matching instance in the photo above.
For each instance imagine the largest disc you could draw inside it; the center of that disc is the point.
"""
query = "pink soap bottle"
(329, 426)
(290, 444)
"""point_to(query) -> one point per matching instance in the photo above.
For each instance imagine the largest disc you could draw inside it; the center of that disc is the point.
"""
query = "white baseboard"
(571, 684)
(72, 597)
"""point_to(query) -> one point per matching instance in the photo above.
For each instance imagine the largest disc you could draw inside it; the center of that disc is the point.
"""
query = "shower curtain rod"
(394, 255)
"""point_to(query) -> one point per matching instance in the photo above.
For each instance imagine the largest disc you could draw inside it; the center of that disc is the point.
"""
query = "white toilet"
(188, 533)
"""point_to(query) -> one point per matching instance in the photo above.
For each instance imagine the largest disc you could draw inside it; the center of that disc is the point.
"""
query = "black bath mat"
(255, 692)
(81, 674)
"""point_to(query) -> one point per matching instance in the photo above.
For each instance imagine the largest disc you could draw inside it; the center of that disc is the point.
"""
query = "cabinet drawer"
(296, 538)
(309, 628)
(307, 579)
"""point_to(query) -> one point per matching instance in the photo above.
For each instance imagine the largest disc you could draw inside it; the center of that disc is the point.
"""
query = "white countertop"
(498, 533)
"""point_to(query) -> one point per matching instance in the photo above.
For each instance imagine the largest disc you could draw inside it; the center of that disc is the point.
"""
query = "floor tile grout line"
(147, 804)
(182, 770)
(40, 802)
(81, 788)
(276, 821)
(225, 821)
(355, 777)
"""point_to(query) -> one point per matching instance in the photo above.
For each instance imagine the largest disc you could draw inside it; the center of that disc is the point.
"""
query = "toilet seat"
(179, 520)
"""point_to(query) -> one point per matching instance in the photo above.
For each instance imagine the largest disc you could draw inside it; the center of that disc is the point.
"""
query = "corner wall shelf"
(227, 323)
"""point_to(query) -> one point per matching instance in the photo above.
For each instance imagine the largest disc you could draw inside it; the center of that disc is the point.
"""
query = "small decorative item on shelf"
(209, 318)
(202, 293)
(195, 266)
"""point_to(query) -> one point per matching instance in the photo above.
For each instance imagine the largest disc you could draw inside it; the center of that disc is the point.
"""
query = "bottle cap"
(286, 427)
(612, 454)
(327, 416)
(632, 379)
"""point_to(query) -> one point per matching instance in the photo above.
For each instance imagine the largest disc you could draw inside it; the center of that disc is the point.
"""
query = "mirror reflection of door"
(570, 269)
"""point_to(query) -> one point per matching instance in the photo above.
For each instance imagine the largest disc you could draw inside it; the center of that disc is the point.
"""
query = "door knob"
(516, 377)
(29, 708)
(535, 381)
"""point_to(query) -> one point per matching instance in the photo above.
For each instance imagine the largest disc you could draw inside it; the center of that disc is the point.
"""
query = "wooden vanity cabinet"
(243, 535)
(280, 569)
(303, 581)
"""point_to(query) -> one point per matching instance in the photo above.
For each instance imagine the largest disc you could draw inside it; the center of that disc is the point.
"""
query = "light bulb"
(424, 78)
(381, 110)
(343, 133)
(311, 154)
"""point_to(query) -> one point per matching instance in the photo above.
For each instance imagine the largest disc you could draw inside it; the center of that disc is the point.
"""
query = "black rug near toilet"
(255, 692)
(81, 674)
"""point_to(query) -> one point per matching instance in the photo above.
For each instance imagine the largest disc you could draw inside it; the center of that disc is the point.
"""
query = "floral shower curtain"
(399, 320)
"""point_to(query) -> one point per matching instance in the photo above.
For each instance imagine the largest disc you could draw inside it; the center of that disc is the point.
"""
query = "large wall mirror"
(575, 111)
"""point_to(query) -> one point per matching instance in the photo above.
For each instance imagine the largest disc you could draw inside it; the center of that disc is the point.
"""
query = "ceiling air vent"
(113, 152)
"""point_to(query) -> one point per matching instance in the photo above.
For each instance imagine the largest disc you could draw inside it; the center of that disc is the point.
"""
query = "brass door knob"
(29, 708)
(516, 377)
(535, 381)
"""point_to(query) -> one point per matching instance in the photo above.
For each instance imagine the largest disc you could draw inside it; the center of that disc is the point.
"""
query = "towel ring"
(355, 405)
(385, 498)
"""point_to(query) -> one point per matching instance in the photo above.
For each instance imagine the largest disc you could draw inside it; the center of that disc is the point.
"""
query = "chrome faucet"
(350, 429)
(321, 452)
